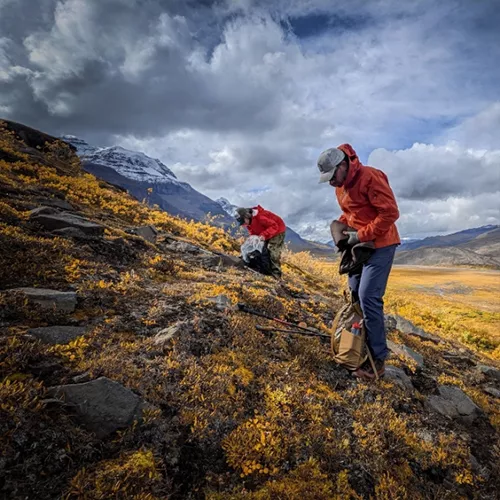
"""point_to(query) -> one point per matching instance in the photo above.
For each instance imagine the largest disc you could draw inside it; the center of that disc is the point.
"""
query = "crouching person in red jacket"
(270, 228)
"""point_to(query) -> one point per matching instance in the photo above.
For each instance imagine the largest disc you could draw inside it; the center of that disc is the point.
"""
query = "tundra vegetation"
(230, 413)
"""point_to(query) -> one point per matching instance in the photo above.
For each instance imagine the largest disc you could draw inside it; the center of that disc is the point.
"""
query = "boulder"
(406, 352)
(70, 232)
(43, 211)
(489, 371)
(61, 204)
(492, 392)
(149, 233)
(57, 334)
(231, 261)
(102, 406)
(395, 322)
(61, 221)
(399, 377)
(50, 299)
(452, 402)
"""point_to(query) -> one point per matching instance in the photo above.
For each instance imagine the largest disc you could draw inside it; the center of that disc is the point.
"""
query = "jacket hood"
(354, 164)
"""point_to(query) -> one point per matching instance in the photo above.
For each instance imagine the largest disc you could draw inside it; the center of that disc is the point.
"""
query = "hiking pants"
(275, 247)
(369, 286)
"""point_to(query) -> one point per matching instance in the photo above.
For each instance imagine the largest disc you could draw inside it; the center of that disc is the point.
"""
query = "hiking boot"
(365, 371)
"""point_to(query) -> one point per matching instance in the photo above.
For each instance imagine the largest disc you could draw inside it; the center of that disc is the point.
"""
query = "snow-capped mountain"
(227, 206)
(147, 179)
(131, 164)
(82, 148)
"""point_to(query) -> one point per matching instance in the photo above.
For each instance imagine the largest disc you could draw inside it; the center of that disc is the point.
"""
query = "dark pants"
(369, 286)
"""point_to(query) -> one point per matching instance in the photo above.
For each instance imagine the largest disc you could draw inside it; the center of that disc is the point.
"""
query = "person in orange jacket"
(369, 207)
(270, 228)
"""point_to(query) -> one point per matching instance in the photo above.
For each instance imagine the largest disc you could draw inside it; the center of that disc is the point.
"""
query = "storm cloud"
(240, 97)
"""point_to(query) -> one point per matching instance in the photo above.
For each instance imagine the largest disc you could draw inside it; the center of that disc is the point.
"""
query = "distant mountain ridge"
(147, 179)
(471, 247)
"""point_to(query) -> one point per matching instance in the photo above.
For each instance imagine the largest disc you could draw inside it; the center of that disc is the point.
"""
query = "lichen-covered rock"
(102, 406)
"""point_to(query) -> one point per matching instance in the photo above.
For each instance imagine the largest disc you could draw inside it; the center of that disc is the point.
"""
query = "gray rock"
(163, 336)
(221, 301)
(83, 377)
(395, 322)
(399, 377)
(61, 221)
(70, 232)
(489, 371)
(182, 246)
(50, 299)
(61, 204)
(149, 233)
(231, 261)
(492, 392)
(102, 406)
(43, 211)
(390, 322)
(57, 334)
(406, 352)
(452, 402)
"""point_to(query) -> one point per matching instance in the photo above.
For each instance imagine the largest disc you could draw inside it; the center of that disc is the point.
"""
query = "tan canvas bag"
(348, 349)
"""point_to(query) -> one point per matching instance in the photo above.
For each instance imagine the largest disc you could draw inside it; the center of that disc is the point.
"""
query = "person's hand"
(353, 237)
(261, 238)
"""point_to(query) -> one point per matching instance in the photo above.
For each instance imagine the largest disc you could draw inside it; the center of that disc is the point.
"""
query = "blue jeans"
(369, 286)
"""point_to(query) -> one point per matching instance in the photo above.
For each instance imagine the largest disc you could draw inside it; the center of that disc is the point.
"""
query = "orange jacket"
(265, 223)
(368, 203)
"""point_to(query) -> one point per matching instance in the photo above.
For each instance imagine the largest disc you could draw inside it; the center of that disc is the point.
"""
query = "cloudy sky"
(239, 97)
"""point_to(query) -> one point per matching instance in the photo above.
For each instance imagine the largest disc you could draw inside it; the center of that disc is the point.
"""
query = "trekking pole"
(249, 310)
(291, 332)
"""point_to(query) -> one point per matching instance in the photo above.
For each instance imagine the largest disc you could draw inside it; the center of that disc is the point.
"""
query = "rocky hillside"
(127, 371)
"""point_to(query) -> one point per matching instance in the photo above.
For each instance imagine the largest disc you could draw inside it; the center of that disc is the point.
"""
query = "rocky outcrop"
(395, 322)
(51, 220)
(406, 352)
(452, 402)
(102, 406)
(55, 300)
(149, 233)
(57, 334)
(489, 371)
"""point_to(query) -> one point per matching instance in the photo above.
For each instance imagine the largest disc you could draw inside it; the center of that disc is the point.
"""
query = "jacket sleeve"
(343, 219)
(382, 198)
(272, 227)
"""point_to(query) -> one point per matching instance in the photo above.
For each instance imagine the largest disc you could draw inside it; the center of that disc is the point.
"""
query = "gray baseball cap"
(327, 163)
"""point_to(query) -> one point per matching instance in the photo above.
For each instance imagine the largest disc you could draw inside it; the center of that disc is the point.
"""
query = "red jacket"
(265, 223)
(368, 203)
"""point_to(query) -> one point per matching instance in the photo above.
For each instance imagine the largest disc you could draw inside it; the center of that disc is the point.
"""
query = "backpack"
(349, 349)
(260, 261)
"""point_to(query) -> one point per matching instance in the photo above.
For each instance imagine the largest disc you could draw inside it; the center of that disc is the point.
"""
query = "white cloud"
(240, 107)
